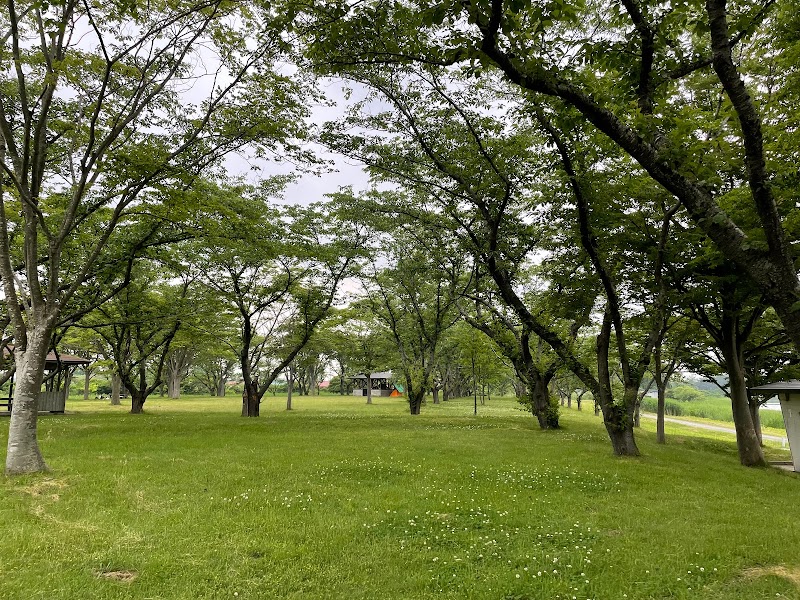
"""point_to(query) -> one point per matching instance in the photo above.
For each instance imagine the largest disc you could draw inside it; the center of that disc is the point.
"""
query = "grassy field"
(717, 408)
(341, 500)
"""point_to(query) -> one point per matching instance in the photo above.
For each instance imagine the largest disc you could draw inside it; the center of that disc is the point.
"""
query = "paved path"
(708, 426)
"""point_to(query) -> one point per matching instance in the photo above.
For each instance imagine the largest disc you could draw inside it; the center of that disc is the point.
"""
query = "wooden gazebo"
(58, 371)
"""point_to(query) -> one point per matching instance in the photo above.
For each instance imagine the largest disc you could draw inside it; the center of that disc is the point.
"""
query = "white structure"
(789, 394)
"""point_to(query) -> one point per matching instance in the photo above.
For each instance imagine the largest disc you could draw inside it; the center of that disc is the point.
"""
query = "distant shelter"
(58, 372)
(382, 385)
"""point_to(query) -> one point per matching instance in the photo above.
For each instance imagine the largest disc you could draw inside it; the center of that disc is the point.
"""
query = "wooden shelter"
(58, 371)
(382, 384)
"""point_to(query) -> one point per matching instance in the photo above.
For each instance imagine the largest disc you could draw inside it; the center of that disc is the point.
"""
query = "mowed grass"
(337, 499)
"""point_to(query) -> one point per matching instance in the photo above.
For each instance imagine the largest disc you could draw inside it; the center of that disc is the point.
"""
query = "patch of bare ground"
(45, 488)
(789, 573)
(121, 576)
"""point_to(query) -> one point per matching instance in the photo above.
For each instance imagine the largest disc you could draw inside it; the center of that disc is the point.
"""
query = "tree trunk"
(23, 454)
(619, 425)
(747, 440)
(637, 415)
(436, 394)
(545, 411)
(137, 402)
(174, 384)
(415, 400)
(369, 388)
(289, 388)
(221, 389)
(756, 416)
(116, 384)
(661, 437)
(86, 378)
(250, 401)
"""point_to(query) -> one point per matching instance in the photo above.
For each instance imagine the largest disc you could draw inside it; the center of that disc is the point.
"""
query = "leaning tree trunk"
(23, 454)
(747, 440)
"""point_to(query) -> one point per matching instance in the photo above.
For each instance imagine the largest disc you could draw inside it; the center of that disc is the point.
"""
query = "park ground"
(337, 499)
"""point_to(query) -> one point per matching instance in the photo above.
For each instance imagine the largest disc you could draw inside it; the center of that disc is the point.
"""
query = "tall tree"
(93, 115)
(633, 71)
(280, 272)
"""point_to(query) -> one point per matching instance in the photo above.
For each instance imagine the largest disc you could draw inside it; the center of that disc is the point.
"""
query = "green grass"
(341, 500)
(716, 408)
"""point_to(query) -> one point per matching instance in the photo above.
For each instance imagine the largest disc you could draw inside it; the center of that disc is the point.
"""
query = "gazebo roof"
(66, 360)
(779, 387)
(376, 375)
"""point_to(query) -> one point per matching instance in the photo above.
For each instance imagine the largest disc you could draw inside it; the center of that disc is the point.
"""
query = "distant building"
(382, 385)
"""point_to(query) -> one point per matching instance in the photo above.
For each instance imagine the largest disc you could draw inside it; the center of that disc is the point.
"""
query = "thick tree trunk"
(250, 401)
(137, 402)
(544, 410)
(415, 400)
(116, 384)
(436, 394)
(221, 389)
(23, 454)
(747, 439)
(619, 425)
(174, 385)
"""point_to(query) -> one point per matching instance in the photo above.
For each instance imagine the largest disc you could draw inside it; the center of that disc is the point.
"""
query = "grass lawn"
(337, 499)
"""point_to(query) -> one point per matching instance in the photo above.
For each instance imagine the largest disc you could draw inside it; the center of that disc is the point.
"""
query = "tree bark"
(289, 387)
(116, 384)
(250, 400)
(137, 402)
(369, 388)
(23, 454)
(661, 437)
(415, 399)
(86, 378)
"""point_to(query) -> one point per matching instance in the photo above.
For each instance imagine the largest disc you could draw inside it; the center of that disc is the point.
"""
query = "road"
(709, 427)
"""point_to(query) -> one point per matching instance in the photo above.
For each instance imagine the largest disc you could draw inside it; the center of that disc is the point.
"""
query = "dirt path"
(709, 427)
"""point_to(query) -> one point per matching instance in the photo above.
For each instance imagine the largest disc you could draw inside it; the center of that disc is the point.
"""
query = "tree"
(92, 119)
(631, 69)
(415, 299)
(138, 327)
(366, 343)
(280, 272)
